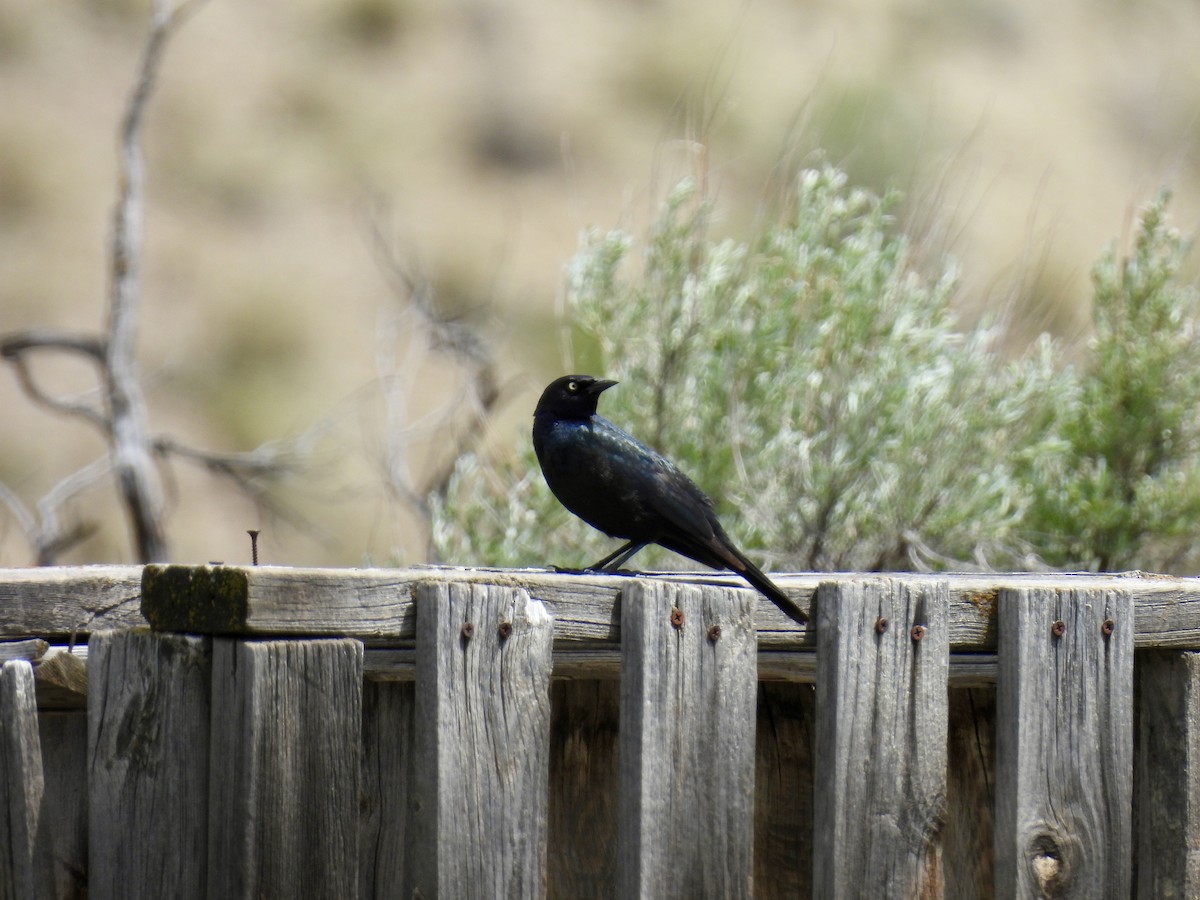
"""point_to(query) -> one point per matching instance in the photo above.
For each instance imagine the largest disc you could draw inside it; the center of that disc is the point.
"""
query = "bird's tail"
(768, 588)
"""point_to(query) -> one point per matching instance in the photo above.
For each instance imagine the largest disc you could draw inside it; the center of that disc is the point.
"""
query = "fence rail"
(441, 732)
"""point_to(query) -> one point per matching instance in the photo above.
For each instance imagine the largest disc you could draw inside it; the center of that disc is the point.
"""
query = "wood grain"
(687, 742)
(967, 848)
(582, 854)
(21, 786)
(148, 775)
(284, 796)
(29, 649)
(69, 602)
(882, 713)
(376, 605)
(61, 679)
(1064, 752)
(62, 842)
(483, 726)
(387, 763)
(783, 791)
(1168, 774)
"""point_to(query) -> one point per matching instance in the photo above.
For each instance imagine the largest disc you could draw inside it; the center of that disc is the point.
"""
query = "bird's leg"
(618, 558)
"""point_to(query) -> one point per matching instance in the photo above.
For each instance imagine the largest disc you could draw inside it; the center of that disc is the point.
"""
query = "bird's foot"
(566, 570)
(590, 570)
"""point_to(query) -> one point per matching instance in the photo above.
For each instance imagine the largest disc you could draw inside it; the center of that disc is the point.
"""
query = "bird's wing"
(683, 513)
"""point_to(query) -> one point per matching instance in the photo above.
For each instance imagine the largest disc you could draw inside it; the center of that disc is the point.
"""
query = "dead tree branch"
(462, 343)
(129, 444)
(118, 411)
(16, 348)
(45, 529)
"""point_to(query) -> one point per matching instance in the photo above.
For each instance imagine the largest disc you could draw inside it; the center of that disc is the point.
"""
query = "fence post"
(283, 810)
(883, 657)
(147, 763)
(688, 686)
(480, 781)
(1064, 743)
(1168, 783)
(21, 785)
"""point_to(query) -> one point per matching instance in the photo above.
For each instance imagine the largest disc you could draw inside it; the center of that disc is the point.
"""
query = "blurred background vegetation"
(480, 139)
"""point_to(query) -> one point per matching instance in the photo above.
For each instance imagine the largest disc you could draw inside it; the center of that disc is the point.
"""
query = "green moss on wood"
(196, 599)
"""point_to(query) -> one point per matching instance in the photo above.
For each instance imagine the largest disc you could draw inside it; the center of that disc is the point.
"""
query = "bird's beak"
(599, 386)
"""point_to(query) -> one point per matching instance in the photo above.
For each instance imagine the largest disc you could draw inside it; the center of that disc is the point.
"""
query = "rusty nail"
(253, 545)
(714, 633)
(505, 629)
(881, 625)
(676, 616)
(1107, 628)
(918, 632)
(468, 631)
(1059, 628)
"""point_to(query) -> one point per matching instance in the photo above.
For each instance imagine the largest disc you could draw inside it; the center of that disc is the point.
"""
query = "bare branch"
(252, 473)
(15, 343)
(463, 344)
(130, 446)
(121, 414)
(17, 346)
(45, 533)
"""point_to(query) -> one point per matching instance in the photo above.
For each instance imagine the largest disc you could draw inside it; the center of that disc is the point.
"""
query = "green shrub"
(818, 387)
(1123, 489)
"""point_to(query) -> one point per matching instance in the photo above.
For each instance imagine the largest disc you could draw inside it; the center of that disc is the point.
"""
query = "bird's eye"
(573, 387)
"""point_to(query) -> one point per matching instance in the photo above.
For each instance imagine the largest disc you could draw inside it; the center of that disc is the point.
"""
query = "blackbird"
(620, 486)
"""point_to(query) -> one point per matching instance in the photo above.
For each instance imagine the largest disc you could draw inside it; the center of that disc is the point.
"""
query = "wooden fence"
(510, 733)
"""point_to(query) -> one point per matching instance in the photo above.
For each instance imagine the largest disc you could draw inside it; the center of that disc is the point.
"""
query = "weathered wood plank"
(1168, 779)
(61, 602)
(687, 742)
(29, 650)
(575, 662)
(62, 845)
(483, 704)
(582, 857)
(1064, 744)
(148, 730)
(371, 604)
(21, 786)
(283, 810)
(783, 791)
(61, 679)
(882, 713)
(375, 605)
(387, 762)
(967, 848)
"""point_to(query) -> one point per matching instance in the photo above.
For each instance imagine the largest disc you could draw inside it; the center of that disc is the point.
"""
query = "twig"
(48, 537)
(15, 347)
(463, 344)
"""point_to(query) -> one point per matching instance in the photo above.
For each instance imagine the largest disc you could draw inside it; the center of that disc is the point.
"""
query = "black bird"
(619, 485)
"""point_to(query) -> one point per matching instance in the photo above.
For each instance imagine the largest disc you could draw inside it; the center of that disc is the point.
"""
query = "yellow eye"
(573, 386)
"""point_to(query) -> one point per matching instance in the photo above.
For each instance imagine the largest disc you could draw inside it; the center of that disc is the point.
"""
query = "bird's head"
(572, 397)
